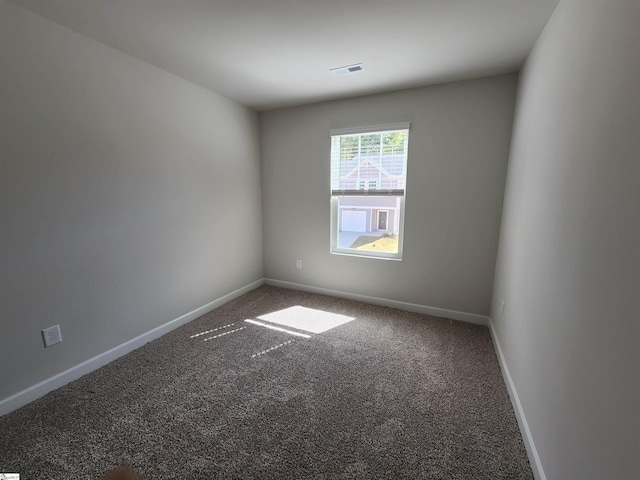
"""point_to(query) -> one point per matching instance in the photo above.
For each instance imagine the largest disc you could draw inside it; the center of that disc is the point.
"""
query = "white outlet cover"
(51, 336)
(298, 263)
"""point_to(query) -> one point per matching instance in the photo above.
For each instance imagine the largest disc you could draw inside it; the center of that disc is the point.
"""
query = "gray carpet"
(390, 395)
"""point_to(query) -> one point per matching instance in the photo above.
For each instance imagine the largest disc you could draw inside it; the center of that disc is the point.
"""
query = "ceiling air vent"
(358, 67)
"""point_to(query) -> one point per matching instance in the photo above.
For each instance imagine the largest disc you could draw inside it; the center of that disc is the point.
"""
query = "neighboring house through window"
(368, 178)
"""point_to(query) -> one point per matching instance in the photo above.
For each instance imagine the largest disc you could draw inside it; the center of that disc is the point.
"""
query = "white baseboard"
(532, 452)
(385, 302)
(38, 390)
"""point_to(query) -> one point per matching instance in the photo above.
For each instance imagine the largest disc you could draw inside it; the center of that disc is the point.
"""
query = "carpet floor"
(382, 394)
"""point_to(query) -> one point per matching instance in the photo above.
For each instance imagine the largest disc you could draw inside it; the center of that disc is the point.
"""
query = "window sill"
(347, 253)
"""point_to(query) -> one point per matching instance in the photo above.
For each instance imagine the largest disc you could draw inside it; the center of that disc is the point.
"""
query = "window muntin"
(368, 176)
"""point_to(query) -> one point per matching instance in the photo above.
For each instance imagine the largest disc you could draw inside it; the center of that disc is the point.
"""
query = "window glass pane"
(368, 224)
(371, 161)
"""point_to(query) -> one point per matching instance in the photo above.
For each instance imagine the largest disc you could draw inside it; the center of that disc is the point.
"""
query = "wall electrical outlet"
(501, 308)
(299, 264)
(51, 336)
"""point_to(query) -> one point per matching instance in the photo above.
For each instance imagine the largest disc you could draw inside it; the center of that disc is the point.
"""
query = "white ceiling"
(273, 53)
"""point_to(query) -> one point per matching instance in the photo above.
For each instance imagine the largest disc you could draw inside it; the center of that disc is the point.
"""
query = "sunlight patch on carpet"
(225, 333)
(306, 319)
(279, 329)
(207, 331)
(263, 352)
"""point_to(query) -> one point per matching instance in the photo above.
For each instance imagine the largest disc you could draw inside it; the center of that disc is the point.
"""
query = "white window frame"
(335, 211)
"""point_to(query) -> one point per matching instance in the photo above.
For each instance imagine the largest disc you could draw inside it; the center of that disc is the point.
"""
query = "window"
(368, 177)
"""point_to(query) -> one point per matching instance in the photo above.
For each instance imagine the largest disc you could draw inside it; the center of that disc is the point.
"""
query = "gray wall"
(128, 197)
(458, 151)
(568, 267)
